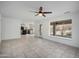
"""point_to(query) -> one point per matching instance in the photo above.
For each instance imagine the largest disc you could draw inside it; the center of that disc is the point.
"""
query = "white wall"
(10, 28)
(0, 28)
(74, 41)
(37, 30)
(0, 33)
(27, 23)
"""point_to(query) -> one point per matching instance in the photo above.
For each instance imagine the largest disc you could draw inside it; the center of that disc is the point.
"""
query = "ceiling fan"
(41, 12)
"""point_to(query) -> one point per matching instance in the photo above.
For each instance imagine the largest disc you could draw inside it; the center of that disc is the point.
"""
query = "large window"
(61, 28)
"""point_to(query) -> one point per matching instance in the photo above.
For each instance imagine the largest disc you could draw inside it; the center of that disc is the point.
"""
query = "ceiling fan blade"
(47, 12)
(34, 11)
(37, 14)
(44, 15)
(41, 8)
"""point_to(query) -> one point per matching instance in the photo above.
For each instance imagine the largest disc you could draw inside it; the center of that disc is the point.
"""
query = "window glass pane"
(58, 30)
(51, 29)
(67, 30)
(61, 28)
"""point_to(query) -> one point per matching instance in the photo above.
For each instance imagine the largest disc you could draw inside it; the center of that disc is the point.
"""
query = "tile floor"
(33, 47)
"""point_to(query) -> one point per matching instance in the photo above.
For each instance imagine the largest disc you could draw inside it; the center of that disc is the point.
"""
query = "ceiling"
(23, 9)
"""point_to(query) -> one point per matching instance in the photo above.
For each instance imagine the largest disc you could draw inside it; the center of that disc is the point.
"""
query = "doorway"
(27, 29)
(40, 29)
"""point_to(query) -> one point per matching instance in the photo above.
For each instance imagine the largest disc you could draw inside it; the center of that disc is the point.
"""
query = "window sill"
(61, 37)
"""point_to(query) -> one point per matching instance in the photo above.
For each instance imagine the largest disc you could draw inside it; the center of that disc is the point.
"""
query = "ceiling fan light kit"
(41, 12)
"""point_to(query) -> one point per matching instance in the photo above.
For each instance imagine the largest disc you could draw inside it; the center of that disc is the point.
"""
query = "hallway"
(33, 47)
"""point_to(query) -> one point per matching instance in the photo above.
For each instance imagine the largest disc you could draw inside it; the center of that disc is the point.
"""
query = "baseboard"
(58, 42)
(10, 39)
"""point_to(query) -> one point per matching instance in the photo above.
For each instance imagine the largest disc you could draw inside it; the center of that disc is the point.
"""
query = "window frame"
(61, 22)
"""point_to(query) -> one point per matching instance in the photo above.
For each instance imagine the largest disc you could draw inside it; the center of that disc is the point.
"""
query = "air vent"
(66, 12)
